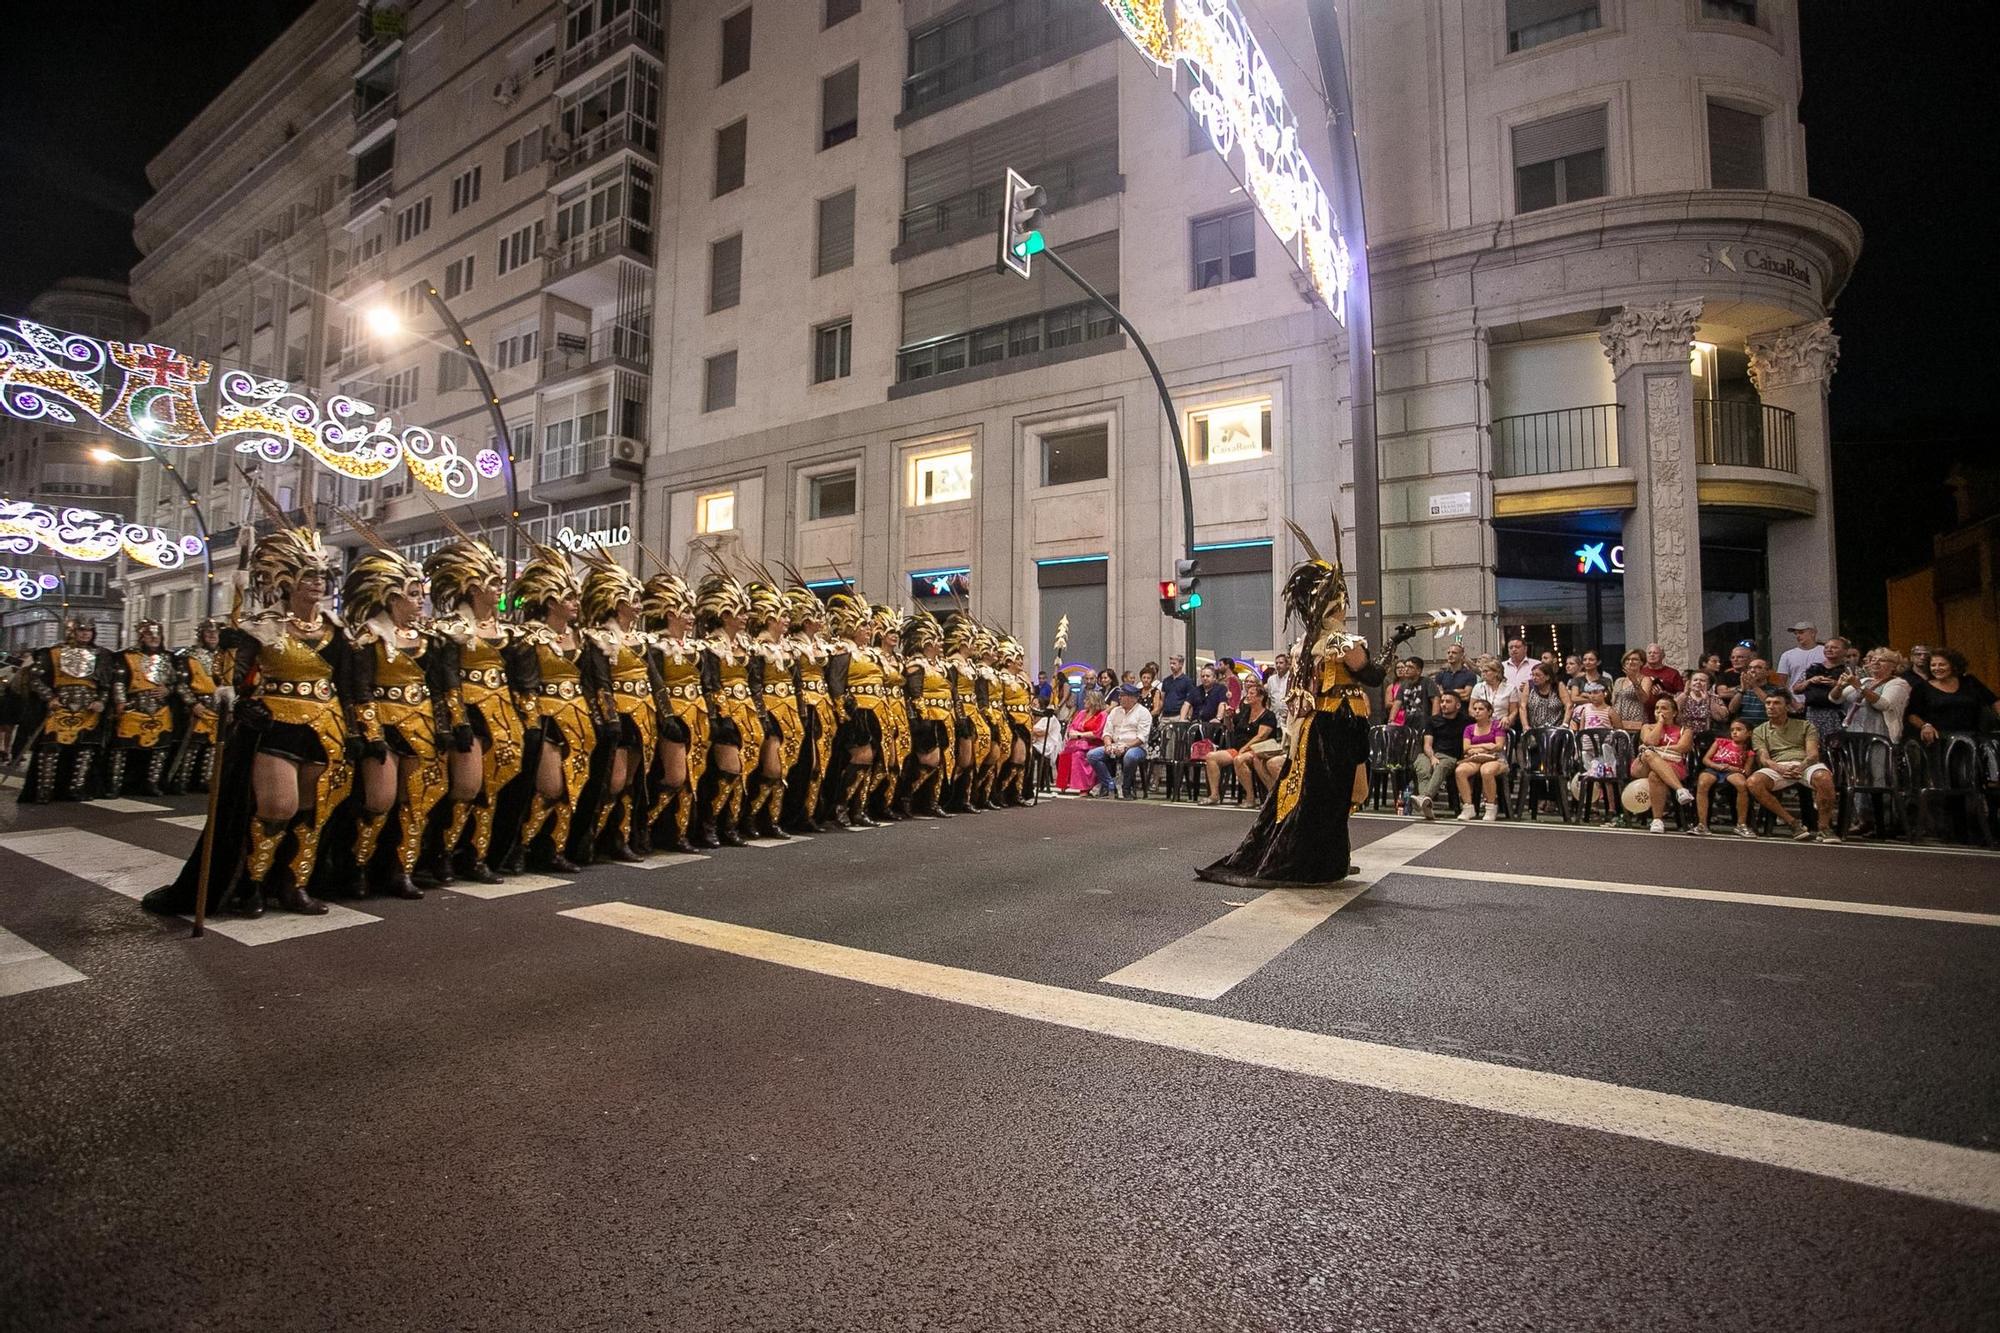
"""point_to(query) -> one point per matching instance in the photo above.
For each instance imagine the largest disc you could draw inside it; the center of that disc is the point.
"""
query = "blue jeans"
(1128, 765)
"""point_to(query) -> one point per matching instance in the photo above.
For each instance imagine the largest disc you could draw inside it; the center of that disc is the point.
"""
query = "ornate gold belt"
(815, 686)
(734, 691)
(779, 689)
(691, 690)
(300, 689)
(401, 694)
(637, 688)
(562, 689)
(872, 691)
(490, 676)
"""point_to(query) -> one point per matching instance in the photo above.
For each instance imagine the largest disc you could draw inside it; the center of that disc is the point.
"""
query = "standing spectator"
(1589, 669)
(1126, 729)
(1664, 675)
(1792, 663)
(1502, 698)
(1712, 664)
(1572, 668)
(1874, 700)
(1815, 689)
(1107, 683)
(1258, 740)
(1211, 705)
(1727, 763)
(1455, 676)
(1177, 691)
(1632, 696)
(1086, 732)
(1151, 696)
(1730, 679)
(1918, 673)
(1485, 758)
(1788, 754)
(1411, 696)
(1663, 759)
(1444, 746)
(1278, 687)
(1703, 711)
(1518, 664)
(1225, 671)
(1950, 700)
(1541, 703)
(1043, 689)
(1752, 702)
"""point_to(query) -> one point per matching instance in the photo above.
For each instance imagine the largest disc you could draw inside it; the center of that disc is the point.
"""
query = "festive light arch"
(147, 392)
(88, 536)
(25, 585)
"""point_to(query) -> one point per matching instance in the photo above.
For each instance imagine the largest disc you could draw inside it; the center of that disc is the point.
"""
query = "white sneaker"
(1468, 814)
(1744, 831)
(1684, 796)
(1829, 837)
(1493, 814)
(1698, 830)
(1658, 826)
(1424, 807)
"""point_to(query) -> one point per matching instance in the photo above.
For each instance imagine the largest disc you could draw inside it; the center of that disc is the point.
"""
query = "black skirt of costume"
(231, 826)
(1308, 848)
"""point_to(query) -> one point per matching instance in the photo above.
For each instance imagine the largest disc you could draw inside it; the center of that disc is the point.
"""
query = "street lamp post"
(384, 320)
(104, 455)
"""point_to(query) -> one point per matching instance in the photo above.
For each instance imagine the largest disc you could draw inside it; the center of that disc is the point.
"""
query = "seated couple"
(1099, 738)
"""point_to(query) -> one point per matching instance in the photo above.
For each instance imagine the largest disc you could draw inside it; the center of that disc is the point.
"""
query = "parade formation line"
(1942, 1172)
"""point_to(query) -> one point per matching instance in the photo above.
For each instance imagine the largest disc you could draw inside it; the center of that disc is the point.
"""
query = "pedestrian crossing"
(25, 968)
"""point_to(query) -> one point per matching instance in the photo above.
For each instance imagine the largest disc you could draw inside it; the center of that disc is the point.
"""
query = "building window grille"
(1559, 160)
(1735, 148)
(836, 234)
(731, 145)
(719, 382)
(725, 273)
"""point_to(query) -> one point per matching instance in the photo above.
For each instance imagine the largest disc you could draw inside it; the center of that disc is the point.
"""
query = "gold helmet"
(459, 569)
(76, 625)
(803, 604)
(1011, 651)
(546, 578)
(280, 561)
(140, 630)
(920, 630)
(719, 596)
(961, 633)
(984, 641)
(606, 587)
(766, 604)
(887, 620)
(1315, 592)
(374, 578)
(666, 596)
(846, 613)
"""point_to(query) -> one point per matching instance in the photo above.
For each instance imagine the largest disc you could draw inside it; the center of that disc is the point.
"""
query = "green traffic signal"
(1193, 601)
(1031, 244)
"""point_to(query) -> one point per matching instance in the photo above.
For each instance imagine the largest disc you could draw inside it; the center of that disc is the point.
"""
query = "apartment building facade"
(49, 463)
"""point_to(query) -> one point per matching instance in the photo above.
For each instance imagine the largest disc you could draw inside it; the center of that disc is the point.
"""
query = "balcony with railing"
(1089, 173)
(373, 110)
(1745, 433)
(583, 466)
(616, 346)
(591, 146)
(371, 195)
(964, 56)
(632, 28)
(1574, 439)
(1036, 336)
(570, 270)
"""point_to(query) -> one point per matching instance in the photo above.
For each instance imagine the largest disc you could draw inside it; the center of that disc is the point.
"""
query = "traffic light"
(1170, 598)
(1177, 595)
(1020, 220)
(1187, 573)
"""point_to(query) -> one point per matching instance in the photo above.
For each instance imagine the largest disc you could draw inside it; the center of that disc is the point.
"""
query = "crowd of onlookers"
(1734, 732)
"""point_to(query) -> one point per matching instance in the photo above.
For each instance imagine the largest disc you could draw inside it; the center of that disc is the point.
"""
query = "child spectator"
(1727, 763)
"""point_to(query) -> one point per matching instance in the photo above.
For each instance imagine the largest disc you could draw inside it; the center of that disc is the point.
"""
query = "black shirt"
(1448, 735)
(1731, 678)
(1962, 710)
(1816, 686)
(1248, 731)
(1415, 696)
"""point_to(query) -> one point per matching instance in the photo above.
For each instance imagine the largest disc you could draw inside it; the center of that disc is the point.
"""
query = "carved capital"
(1800, 354)
(1650, 334)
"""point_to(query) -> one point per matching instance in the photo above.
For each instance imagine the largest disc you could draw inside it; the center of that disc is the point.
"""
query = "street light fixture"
(104, 455)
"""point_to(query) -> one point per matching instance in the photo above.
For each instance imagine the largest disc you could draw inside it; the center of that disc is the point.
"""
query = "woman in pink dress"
(1086, 731)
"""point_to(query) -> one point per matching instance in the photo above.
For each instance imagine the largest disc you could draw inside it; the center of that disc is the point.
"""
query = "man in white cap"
(1793, 663)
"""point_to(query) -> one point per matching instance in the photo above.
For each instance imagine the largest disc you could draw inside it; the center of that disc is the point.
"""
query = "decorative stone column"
(1791, 368)
(1649, 348)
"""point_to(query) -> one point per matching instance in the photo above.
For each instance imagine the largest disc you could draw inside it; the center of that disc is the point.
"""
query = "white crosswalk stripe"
(25, 968)
(124, 806)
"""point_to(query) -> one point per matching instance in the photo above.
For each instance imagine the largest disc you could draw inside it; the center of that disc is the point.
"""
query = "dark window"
(1532, 22)
(730, 143)
(1730, 11)
(376, 163)
(735, 45)
(1735, 148)
(1560, 160)
(836, 233)
(718, 388)
(1075, 590)
(831, 495)
(838, 11)
(840, 106)
(1083, 454)
(1225, 248)
(833, 351)
(993, 41)
(725, 273)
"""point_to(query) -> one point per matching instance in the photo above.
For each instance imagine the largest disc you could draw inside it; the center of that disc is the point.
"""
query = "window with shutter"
(725, 273)
(731, 141)
(838, 11)
(1225, 248)
(836, 233)
(735, 45)
(1735, 148)
(719, 382)
(839, 107)
(833, 351)
(1530, 23)
(1559, 160)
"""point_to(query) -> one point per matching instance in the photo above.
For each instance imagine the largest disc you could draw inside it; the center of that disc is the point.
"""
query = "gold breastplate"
(293, 658)
(734, 673)
(555, 665)
(679, 671)
(479, 655)
(629, 666)
(936, 689)
(403, 668)
(863, 669)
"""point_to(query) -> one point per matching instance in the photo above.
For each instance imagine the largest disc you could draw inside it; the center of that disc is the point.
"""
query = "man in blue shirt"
(1177, 690)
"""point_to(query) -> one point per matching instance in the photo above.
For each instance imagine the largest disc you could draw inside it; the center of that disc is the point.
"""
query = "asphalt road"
(1524, 1079)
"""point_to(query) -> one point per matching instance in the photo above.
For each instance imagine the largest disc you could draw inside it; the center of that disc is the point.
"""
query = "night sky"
(1891, 114)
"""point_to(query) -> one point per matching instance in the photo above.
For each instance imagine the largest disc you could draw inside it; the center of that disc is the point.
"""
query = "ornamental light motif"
(24, 585)
(86, 535)
(1236, 97)
(47, 374)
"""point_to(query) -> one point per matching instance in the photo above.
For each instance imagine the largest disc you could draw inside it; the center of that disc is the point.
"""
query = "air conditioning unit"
(628, 453)
(507, 90)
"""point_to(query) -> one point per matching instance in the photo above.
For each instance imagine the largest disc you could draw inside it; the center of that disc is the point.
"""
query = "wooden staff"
(208, 834)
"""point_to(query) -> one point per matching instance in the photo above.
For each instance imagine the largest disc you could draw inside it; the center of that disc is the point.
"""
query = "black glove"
(253, 713)
(607, 733)
(462, 738)
(360, 748)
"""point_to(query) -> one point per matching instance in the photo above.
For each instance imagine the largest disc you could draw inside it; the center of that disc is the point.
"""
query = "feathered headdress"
(374, 578)
(1315, 591)
(281, 558)
(920, 630)
(961, 633)
(888, 620)
(846, 613)
(544, 579)
(719, 595)
(607, 586)
(462, 566)
(666, 596)
(767, 603)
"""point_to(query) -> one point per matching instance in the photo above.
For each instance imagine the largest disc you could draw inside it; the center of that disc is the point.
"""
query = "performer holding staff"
(861, 692)
(621, 673)
(968, 712)
(69, 689)
(810, 650)
(777, 695)
(200, 669)
(894, 752)
(933, 749)
(144, 682)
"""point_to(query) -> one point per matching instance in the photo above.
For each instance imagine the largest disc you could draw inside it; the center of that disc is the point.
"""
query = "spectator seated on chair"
(1444, 747)
(1702, 711)
(1086, 733)
(1663, 759)
(1726, 764)
(1501, 695)
(1873, 702)
(1485, 760)
(1151, 697)
(1815, 689)
(1661, 672)
(1633, 692)
(1127, 728)
(1590, 670)
(1788, 754)
(1257, 740)
(1542, 702)
(1949, 701)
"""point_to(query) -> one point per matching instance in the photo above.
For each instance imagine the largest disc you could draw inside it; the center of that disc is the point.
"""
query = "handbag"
(1201, 749)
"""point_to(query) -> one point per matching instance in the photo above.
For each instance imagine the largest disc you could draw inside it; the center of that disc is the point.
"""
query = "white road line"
(185, 821)
(661, 860)
(772, 844)
(124, 806)
(135, 872)
(1708, 895)
(1226, 952)
(507, 888)
(25, 968)
(1940, 1171)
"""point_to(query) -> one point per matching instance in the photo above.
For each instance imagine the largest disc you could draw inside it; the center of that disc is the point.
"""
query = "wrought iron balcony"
(600, 141)
(1743, 433)
(620, 235)
(371, 194)
(369, 112)
(1574, 439)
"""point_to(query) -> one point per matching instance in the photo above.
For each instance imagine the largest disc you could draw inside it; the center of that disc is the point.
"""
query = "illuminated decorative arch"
(88, 536)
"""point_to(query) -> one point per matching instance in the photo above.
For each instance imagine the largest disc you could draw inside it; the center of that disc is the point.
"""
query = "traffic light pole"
(1166, 404)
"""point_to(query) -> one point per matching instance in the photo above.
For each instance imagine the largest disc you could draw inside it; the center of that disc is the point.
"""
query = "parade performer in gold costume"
(811, 650)
(968, 710)
(619, 669)
(887, 625)
(861, 690)
(69, 689)
(772, 681)
(682, 748)
(144, 682)
(467, 581)
(722, 609)
(933, 751)
(200, 669)
(543, 671)
(999, 738)
(1017, 707)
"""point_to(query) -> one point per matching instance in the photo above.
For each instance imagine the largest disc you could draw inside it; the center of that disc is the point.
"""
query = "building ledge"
(1035, 361)
(1753, 488)
(1565, 493)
